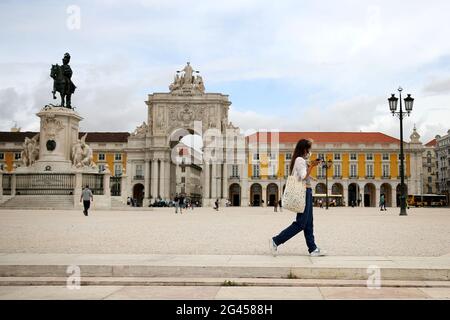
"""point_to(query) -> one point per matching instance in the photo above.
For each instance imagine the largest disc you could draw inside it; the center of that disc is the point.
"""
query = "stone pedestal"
(58, 133)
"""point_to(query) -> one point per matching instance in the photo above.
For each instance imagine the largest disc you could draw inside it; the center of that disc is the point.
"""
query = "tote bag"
(294, 196)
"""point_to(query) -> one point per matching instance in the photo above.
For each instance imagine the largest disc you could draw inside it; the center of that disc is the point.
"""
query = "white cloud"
(355, 51)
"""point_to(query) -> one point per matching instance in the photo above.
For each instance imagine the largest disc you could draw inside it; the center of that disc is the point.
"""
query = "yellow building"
(364, 165)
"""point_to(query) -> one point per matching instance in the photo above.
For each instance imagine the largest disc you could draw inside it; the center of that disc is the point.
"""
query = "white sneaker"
(273, 247)
(317, 253)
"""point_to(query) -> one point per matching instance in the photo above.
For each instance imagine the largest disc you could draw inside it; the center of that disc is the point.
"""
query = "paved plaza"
(233, 230)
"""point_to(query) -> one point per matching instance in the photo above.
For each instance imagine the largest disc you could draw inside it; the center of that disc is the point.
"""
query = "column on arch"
(154, 179)
(162, 187)
(225, 180)
(345, 193)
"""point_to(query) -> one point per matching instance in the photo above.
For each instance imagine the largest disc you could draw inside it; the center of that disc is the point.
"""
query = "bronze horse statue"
(62, 82)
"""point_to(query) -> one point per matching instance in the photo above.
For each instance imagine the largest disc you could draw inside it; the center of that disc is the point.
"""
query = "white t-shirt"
(300, 170)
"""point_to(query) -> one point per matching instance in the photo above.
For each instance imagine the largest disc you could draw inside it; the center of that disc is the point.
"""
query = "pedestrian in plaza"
(304, 221)
(181, 200)
(279, 204)
(275, 205)
(382, 203)
(176, 200)
(359, 201)
(86, 197)
(216, 205)
(320, 204)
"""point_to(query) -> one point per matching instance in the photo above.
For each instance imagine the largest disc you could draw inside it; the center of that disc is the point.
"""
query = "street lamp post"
(401, 114)
(326, 165)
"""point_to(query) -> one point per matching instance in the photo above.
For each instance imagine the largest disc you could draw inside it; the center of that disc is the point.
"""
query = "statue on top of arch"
(186, 83)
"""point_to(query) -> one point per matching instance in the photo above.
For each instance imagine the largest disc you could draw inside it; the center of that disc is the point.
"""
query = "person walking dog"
(86, 197)
(304, 221)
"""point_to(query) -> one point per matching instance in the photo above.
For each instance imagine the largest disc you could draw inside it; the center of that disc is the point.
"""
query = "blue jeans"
(304, 221)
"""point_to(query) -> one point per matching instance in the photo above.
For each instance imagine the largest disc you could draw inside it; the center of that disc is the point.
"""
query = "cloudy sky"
(287, 65)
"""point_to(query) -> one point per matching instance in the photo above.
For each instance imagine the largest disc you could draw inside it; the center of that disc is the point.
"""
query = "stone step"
(39, 202)
(225, 266)
(225, 282)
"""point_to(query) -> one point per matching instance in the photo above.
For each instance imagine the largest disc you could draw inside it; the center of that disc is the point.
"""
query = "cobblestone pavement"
(340, 231)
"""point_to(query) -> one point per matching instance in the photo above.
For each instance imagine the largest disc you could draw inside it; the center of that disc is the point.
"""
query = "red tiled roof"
(6, 136)
(431, 143)
(324, 137)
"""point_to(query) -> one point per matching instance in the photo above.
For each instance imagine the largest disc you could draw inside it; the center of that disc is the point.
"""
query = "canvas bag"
(294, 196)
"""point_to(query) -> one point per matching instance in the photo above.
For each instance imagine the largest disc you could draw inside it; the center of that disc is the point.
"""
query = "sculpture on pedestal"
(30, 152)
(187, 83)
(62, 81)
(82, 155)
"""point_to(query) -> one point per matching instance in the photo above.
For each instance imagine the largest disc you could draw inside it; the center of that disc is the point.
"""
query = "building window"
(429, 179)
(320, 172)
(353, 170)
(118, 157)
(272, 169)
(139, 170)
(429, 160)
(337, 170)
(256, 170)
(288, 156)
(256, 157)
(385, 156)
(273, 156)
(429, 153)
(429, 170)
(2, 156)
(183, 179)
(235, 170)
(352, 156)
(17, 156)
(101, 157)
(369, 156)
(287, 167)
(321, 156)
(183, 169)
(117, 170)
(369, 170)
(385, 169)
(337, 156)
(101, 167)
(430, 190)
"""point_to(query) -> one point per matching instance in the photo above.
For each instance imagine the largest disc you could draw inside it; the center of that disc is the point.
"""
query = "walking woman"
(304, 221)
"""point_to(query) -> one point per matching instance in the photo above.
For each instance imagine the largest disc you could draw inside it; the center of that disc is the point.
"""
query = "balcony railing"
(272, 177)
(256, 177)
(385, 177)
(353, 177)
(337, 176)
(322, 176)
(234, 177)
(370, 177)
(138, 177)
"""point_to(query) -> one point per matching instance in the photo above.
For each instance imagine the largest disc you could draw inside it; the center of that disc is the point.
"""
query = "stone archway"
(235, 195)
(185, 109)
(386, 189)
(272, 194)
(255, 195)
(369, 199)
(398, 193)
(353, 194)
(337, 192)
(138, 194)
(321, 188)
